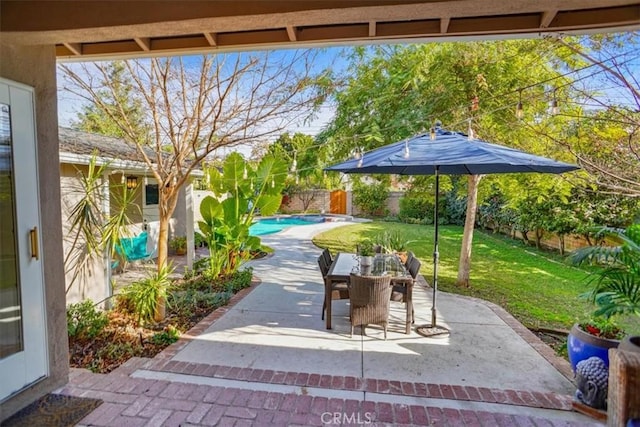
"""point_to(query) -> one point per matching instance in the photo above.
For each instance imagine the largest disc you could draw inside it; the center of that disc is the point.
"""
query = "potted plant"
(392, 242)
(366, 251)
(179, 245)
(593, 337)
(615, 290)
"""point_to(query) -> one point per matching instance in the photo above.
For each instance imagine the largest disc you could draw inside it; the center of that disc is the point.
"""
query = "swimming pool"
(273, 225)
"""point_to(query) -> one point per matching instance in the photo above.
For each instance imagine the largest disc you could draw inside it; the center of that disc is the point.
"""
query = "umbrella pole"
(434, 330)
(436, 254)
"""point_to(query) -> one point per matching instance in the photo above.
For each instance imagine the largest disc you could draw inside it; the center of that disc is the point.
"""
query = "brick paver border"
(142, 402)
(381, 386)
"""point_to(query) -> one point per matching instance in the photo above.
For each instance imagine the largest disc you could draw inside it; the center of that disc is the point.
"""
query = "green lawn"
(536, 287)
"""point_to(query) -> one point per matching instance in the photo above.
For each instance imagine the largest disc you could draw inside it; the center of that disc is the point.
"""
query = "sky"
(69, 105)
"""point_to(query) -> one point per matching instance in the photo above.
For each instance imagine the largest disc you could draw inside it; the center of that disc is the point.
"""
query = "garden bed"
(101, 342)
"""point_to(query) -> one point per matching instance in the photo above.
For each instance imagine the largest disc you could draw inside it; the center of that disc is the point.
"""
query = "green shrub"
(240, 279)
(416, 210)
(84, 320)
(392, 241)
(166, 337)
(142, 296)
(185, 303)
(113, 351)
(371, 199)
(454, 209)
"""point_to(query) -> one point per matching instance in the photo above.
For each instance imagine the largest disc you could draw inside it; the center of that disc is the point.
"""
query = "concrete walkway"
(267, 359)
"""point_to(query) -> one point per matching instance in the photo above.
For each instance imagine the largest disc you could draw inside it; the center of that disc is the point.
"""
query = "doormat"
(53, 410)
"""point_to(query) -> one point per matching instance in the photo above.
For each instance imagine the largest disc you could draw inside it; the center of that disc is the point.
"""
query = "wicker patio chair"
(332, 290)
(370, 297)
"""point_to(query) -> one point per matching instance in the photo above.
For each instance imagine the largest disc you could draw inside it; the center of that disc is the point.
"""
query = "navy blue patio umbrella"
(450, 153)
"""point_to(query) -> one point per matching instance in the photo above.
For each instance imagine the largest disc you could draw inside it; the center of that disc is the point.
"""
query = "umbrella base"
(433, 331)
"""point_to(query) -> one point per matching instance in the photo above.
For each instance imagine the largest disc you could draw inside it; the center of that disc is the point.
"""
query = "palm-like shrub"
(616, 281)
(141, 296)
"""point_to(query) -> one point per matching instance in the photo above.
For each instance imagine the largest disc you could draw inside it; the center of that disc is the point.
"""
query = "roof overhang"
(126, 166)
(86, 30)
(115, 165)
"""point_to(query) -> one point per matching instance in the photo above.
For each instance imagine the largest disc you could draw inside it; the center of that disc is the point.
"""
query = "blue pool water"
(273, 225)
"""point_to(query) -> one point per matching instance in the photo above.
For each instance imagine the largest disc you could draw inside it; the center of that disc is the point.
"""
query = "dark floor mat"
(53, 410)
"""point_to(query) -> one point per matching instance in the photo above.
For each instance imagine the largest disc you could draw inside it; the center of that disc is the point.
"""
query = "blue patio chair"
(133, 249)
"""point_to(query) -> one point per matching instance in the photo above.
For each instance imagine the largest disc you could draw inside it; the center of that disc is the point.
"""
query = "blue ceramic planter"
(582, 345)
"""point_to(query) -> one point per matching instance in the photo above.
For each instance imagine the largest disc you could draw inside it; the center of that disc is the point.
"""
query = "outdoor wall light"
(132, 182)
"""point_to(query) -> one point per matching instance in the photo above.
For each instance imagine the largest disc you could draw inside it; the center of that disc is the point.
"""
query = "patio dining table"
(347, 263)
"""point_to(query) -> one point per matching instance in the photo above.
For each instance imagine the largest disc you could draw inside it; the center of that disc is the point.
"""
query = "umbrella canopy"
(449, 153)
(453, 153)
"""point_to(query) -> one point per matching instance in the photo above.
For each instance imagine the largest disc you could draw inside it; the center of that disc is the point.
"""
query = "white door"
(23, 350)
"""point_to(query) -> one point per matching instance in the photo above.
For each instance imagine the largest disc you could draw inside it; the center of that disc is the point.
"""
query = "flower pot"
(631, 344)
(181, 251)
(582, 345)
(366, 260)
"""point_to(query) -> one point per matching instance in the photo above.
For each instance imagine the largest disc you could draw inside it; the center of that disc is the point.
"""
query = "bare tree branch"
(195, 106)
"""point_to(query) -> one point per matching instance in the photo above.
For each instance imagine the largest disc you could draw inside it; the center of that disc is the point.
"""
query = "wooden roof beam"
(372, 28)
(547, 18)
(292, 32)
(212, 39)
(144, 43)
(75, 48)
(444, 25)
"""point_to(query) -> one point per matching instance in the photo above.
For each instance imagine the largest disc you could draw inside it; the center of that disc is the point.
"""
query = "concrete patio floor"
(267, 359)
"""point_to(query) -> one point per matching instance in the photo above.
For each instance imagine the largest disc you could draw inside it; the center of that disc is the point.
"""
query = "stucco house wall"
(90, 280)
(36, 66)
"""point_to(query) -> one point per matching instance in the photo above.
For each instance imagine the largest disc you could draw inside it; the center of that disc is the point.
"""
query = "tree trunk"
(464, 267)
(167, 201)
(587, 237)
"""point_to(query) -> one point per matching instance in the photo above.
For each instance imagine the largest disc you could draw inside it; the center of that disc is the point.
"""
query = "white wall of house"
(198, 196)
(91, 279)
